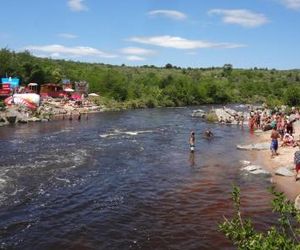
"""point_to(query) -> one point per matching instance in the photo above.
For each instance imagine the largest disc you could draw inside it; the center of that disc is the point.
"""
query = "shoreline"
(287, 185)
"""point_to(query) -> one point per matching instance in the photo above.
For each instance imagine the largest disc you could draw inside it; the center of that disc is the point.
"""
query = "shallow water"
(123, 180)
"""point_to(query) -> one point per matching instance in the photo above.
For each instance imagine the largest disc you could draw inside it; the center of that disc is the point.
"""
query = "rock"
(283, 171)
(260, 171)
(256, 146)
(297, 202)
(11, 119)
(251, 168)
(199, 113)
(257, 131)
(245, 163)
(290, 167)
(34, 119)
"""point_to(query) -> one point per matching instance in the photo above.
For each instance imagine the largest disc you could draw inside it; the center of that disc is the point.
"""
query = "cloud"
(135, 58)
(242, 17)
(182, 43)
(77, 5)
(137, 51)
(292, 4)
(60, 50)
(67, 35)
(173, 14)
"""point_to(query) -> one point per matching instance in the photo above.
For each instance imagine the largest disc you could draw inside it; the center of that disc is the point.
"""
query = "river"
(124, 180)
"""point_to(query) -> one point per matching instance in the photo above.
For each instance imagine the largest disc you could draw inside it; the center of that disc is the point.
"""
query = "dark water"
(123, 180)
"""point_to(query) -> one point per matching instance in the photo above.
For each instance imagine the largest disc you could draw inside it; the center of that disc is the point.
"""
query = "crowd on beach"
(282, 125)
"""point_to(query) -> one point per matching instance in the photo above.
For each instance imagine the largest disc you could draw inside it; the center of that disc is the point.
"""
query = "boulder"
(255, 146)
(261, 171)
(245, 163)
(199, 113)
(251, 168)
(283, 171)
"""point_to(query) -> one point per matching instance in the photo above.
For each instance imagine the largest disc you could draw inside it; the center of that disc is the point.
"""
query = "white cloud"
(77, 5)
(292, 4)
(182, 43)
(67, 35)
(173, 14)
(60, 50)
(137, 51)
(135, 58)
(242, 17)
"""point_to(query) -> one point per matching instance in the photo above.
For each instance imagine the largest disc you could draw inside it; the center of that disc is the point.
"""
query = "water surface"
(123, 180)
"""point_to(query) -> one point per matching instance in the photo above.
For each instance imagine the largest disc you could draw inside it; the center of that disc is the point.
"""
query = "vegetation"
(285, 236)
(211, 117)
(150, 86)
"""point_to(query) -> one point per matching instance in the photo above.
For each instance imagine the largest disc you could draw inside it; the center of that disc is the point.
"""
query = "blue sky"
(186, 33)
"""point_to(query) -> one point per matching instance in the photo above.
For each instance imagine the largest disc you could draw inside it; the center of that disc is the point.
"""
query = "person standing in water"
(192, 141)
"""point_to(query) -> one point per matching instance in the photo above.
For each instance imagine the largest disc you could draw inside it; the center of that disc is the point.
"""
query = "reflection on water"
(122, 180)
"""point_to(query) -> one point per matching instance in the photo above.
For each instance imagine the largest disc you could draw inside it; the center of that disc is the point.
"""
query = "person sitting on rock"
(221, 120)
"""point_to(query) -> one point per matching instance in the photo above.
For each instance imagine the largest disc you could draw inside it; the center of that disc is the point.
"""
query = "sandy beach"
(288, 185)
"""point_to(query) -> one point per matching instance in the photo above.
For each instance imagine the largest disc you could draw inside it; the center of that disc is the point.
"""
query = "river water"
(123, 180)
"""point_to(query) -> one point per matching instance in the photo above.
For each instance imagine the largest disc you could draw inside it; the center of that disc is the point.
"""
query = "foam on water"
(117, 132)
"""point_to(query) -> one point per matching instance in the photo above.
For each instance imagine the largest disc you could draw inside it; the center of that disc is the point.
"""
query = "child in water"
(192, 141)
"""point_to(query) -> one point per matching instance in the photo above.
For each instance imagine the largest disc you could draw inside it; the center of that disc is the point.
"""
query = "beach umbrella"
(69, 90)
(93, 94)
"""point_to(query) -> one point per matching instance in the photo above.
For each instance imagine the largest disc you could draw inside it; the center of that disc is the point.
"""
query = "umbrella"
(93, 94)
(69, 90)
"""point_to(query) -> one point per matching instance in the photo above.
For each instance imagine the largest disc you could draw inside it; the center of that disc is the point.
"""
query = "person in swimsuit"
(192, 141)
(274, 141)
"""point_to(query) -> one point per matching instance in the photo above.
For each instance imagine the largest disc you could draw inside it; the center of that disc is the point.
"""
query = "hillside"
(150, 86)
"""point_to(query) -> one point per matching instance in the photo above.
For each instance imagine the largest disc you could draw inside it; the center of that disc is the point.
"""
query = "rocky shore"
(281, 168)
(50, 109)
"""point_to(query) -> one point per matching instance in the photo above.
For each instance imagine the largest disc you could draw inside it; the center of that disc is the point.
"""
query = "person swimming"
(208, 133)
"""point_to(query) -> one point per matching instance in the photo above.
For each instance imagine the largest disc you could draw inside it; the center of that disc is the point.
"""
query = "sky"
(185, 33)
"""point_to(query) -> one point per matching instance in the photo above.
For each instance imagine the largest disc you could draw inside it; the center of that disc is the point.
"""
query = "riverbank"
(285, 158)
(50, 109)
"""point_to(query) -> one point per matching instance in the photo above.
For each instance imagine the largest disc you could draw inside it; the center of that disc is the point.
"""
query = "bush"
(211, 117)
(242, 233)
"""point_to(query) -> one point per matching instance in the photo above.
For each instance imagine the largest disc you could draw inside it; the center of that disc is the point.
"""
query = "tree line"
(151, 86)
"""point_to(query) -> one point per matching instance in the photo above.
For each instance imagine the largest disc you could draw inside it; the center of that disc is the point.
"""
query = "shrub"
(211, 117)
(242, 233)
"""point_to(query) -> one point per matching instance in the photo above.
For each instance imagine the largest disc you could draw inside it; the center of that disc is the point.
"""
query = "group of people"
(282, 131)
(192, 140)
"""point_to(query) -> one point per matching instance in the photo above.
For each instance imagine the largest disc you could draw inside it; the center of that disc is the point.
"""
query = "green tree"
(292, 96)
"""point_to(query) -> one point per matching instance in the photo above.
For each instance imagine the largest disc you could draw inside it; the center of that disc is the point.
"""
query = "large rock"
(254, 146)
(261, 171)
(199, 113)
(245, 163)
(283, 171)
(251, 168)
(256, 169)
